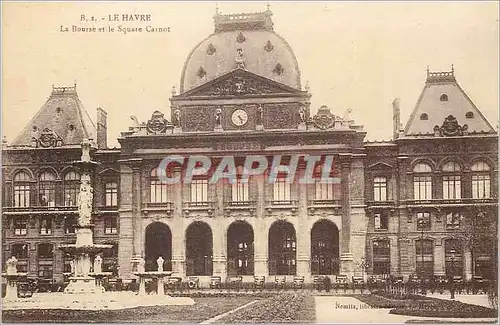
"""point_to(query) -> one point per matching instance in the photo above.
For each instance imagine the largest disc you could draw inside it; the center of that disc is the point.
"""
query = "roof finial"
(427, 69)
(75, 83)
(307, 86)
(268, 6)
(217, 8)
(452, 68)
(174, 91)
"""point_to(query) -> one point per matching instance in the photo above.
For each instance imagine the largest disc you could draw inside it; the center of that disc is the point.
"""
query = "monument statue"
(140, 265)
(12, 265)
(260, 115)
(72, 266)
(239, 59)
(85, 201)
(218, 117)
(177, 118)
(302, 114)
(160, 262)
(86, 265)
(98, 264)
(86, 150)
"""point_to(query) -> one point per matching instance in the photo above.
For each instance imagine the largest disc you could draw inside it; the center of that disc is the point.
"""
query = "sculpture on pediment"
(260, 115)
(302, 114)
(218, 117)
(450, 127)
(240, 59)
(237, 85)
(49, 138)
(157, 123)
(324, 119)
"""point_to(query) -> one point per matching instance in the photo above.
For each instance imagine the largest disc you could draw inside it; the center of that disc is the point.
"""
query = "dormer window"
(469, 115)
(443, 98)
(424, 117)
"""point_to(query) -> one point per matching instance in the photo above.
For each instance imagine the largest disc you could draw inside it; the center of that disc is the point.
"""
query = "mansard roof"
(61, 121)
(444, 109)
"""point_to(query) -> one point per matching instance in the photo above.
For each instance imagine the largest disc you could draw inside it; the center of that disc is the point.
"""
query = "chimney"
(396, 116)
(102, 128)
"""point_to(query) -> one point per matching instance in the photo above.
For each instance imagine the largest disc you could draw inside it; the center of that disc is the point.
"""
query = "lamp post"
(421, 223)
(452, 285)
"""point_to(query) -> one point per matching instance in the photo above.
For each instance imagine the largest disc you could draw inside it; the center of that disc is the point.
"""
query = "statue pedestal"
(218, 129)
(177, 130)
(302, 126)
(84, 237)
(259, 127)
(11, 289)
(83, 285)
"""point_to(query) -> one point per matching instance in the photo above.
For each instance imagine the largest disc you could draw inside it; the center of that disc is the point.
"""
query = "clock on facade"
(239, 117)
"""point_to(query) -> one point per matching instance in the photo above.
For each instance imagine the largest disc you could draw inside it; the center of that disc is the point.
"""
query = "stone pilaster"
(218, 232)
(260, 231)
(346, 257)
(178, 246)
(136, 211)
(439, 258)
(126, 226)
(468, 263)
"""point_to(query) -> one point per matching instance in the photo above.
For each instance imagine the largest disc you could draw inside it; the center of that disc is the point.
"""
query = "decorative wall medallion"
(49, 138)
(278, 69)
(269, 46)
(450, 127)
(157, 123)
(201, 73)
(211, 49)
(239, 117)
(240, 38)
(324, 119)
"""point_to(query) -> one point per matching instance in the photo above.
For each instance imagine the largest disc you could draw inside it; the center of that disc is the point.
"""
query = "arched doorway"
(158, 243)
(199, 249)
(282, 249)
(240, 249)
(325, 248)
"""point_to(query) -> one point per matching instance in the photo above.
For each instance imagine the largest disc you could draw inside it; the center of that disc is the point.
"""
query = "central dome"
(245, 41)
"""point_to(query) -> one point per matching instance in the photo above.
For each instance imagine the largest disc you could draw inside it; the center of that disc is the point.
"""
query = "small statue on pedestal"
(160, 262)
(260, 115)
(12, 265)
(176, 121)
(140, 265)
(218, 117)
(98, 264)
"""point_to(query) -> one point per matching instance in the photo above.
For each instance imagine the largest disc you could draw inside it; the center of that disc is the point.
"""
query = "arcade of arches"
(282, 248)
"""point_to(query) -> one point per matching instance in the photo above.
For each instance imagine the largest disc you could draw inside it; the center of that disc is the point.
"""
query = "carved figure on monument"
(347, 116)
(176, 120)
(98, 264)
(12, 265)
(85, 201)
(72, 266)
(218, 117)
(140, 265)
(260, 115)
(302, 114)
(86, 264)
(240, 59)
(160, 262)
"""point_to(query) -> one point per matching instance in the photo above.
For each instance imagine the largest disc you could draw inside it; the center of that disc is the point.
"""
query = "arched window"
(469, 115)
(47, 192)
(443, 98)
(381, 257)
(281, 190)
(422, 182)
(45, 260)
(452, 181)
(481, 178)
(22, 189)
(158, 189)
(424, 116)
(71, 188)
(424, 255)
(239, 189)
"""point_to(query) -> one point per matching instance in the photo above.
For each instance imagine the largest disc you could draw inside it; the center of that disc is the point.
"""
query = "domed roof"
(241, 41)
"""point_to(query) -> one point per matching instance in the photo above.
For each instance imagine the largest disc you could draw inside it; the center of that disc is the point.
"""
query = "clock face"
(239, 117)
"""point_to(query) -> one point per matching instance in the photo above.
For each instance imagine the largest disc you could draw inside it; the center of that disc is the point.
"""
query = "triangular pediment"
(380, 165)
(238, 83)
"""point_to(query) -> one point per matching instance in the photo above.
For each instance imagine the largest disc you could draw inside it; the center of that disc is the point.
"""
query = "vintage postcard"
(249, 162)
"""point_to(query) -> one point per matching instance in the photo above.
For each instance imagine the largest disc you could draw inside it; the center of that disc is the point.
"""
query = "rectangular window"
(281, 190)
(69, 225)
(422, 187)
(380, 189)
(45, 251)
(20, 226)
(452, 187)
(199, 191)
(47, 193)
(46, 226)
(453, 220)
(71, 190)
(239, 191)
(20, 251)
(423, 221)
(453, 256)
(325, 191)
(481, 186)
(110, 225)
(21, 196)
(381, 221)
(381, 257)
(111, 194)
(45, 271)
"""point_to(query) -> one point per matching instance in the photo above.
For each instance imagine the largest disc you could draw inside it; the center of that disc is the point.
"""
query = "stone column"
(126, 227)
(178, 247)
(346, 257)
(260, 231)
(468, 263)
(302, 231)
(439, 257)
(218, 231)
(136, 211)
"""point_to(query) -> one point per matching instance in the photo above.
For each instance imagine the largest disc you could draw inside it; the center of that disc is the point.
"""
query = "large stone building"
(425, 202)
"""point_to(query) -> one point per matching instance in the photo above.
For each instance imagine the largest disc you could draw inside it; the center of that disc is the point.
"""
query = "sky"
(357, 55)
